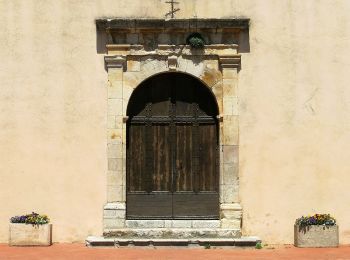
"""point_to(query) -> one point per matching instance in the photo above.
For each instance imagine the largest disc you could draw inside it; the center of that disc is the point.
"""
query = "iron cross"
(173, 10)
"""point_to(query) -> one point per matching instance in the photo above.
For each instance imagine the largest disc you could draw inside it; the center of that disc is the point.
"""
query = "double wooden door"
(172, 150)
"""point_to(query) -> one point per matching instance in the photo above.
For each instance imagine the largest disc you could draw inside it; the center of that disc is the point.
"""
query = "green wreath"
(195, 40)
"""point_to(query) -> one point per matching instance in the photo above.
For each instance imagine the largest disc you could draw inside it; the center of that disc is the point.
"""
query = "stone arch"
(202, 80)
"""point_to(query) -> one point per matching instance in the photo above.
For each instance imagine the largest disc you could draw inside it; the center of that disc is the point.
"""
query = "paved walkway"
(79, 251)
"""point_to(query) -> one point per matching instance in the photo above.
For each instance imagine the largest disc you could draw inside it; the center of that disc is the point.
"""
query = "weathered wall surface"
(294, 111)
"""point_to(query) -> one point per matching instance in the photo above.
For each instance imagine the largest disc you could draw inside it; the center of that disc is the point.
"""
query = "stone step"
(205, 242)
(172, 233)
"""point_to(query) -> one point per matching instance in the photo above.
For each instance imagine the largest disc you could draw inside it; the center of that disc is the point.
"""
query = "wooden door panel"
(183, 155)
(162, 158)
(136, 150)
(149, 205)
(208, 167)
(196, 205)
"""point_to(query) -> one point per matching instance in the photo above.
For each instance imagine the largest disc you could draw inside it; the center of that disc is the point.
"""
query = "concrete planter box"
(316, 236)
(29, 235)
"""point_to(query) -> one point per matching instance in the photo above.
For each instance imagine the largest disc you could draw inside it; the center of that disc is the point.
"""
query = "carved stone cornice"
(230, 61)
(116, 61)
(172, 24)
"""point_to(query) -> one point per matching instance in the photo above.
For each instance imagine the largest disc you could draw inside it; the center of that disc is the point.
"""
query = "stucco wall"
(294, 111)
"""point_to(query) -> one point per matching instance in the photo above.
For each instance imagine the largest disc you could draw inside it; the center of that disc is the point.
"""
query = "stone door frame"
(217, 66)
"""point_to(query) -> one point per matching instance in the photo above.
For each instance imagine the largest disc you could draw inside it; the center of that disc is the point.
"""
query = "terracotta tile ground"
(79, 251)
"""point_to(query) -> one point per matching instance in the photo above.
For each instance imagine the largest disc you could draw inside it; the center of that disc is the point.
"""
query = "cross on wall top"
(173, 10)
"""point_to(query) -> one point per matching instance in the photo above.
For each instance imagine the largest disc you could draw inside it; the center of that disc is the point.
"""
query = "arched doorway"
(172, 150)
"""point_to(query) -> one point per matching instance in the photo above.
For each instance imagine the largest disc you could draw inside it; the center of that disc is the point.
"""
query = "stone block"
(229, 73)
(206, 223)
(113, 223)
(144, 223)
(212, 63)
(210, 76)
(217, 90)
(195, 67)
(115, 164)
(119, 123)
(230, 193)
(114, 193)
(114, 89)
(127, 92)
(230, 173)
(230, 211)
(231, 130)
(181, 223)
(229, 87)
(115, 177)
(115, 107)
(131, 79)
(115, 206)
(114, 150)
(316, 236)
(230, 154)
(111, 122)
(231, 107)
(167, 223)
(30, 235)
(231, 223)
(115, 136)
(115, 74)
(133, 64)
(114, 213)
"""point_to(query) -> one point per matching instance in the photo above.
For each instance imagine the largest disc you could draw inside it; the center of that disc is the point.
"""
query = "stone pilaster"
(230, 209)
(114, 210)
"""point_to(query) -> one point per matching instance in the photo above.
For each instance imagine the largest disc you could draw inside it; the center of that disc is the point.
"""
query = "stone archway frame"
(217, 66)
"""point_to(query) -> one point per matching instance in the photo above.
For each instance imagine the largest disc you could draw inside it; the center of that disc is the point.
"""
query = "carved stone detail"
(230, 61)
(115, 61)
(172, 62)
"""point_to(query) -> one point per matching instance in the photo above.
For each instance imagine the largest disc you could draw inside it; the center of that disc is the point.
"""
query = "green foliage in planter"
(33, 218)
(317, 219)
(195, 40)
(258, 245)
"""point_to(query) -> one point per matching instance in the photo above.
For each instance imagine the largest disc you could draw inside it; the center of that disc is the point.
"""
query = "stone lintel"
(116, 61)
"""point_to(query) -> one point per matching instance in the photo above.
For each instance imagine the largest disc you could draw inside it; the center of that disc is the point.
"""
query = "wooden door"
(172, 150)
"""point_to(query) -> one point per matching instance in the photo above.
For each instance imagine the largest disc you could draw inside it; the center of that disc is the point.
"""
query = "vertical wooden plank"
(184, 173)
(137, 153)
(162, 160)
(208, 167)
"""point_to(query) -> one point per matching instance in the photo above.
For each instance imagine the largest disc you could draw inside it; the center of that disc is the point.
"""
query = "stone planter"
(30, 235)
(316, 236)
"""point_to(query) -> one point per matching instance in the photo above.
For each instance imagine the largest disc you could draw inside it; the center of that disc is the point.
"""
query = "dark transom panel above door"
(172, 150)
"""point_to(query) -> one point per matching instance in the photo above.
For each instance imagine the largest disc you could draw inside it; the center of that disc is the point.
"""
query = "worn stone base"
(185, 233)
(316, 236)
(186, 223)
(29, 235)
(206, 242)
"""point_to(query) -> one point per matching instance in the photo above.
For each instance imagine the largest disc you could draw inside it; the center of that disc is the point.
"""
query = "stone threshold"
(188, 223)
(92, 241)
(172, 233)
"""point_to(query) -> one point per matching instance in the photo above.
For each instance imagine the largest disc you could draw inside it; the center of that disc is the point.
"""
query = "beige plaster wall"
(294, 111)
